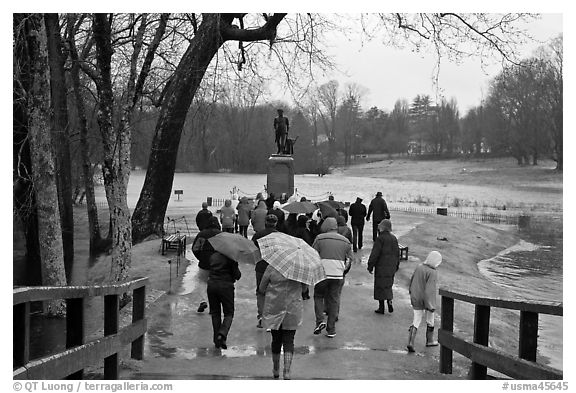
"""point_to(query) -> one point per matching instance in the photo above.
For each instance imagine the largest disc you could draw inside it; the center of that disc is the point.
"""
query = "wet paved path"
(179, 345)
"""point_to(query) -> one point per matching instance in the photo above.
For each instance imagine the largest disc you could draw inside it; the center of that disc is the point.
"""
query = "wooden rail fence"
(79, 355)
(523, 366)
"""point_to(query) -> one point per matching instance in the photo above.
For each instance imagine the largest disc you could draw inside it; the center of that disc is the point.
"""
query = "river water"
(533, 268)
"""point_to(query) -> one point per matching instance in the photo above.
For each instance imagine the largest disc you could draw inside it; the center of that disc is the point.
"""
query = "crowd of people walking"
(318, 247)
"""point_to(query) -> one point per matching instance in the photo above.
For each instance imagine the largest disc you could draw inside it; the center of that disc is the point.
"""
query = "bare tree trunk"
(43, 167)
(96, 242)
(116, 155)
(24, 199)
(148, 217)
(61, 138)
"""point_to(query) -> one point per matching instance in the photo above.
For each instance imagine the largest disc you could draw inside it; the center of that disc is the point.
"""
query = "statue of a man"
(281, 126)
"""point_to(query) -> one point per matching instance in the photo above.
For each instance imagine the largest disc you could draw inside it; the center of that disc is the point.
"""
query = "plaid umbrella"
(235, 247)
(292, 257)
(300, 207)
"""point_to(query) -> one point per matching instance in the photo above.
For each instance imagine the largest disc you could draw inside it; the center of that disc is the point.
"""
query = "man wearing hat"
(270, 226)
(357, 213)
(281, 126)
(380, 209)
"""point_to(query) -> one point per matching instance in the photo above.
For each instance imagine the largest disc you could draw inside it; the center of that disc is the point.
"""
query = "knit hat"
(271, 221)
(434, 259)
(385, 225)
(329, 224)
(276, 205)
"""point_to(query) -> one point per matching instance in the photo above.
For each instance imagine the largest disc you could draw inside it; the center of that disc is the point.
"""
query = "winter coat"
(244, 211)
(223, 268)
(335, 253)
(385, 260)
(259, 217)
(357, 212)
(302, 232)
(283, 302)
(423, 284)
(343, 229)
(379, 208)
(202, 218)
(280, 214)
(290, 224)
(202, 249)
(227, 215)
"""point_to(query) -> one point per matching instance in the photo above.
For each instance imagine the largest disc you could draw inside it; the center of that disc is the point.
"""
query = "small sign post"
(178, 192)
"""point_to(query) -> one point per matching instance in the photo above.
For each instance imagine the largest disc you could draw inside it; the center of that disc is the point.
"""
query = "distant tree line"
(521, 117)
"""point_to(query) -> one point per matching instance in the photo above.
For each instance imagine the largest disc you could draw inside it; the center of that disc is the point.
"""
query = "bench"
(403, 251)
(174, 242)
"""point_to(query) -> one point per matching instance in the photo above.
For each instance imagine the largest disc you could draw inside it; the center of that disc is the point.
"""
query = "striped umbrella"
(292, 257)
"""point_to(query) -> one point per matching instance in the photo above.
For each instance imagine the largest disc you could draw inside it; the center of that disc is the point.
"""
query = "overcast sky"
(399, 73)
(391, 73)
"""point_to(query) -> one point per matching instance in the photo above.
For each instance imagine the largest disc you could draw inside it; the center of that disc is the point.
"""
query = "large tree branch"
(265, 32)
(484, 34)
(150, 57)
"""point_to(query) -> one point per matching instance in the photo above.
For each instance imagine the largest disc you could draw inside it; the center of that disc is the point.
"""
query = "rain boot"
(380, 309)
(287, 363)
(430, 342)
(276, 365)
(390, 307)
(411, 337)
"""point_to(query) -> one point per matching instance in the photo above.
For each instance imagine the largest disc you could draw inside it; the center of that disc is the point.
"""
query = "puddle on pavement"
(246, 351)
(189, 281)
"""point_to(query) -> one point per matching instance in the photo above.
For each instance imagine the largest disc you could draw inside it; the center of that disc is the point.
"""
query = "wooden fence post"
(75, 328)
(528, 340)
(111, 308)
(481, 333)
(21, 334)
(138, 310)
(446, 324)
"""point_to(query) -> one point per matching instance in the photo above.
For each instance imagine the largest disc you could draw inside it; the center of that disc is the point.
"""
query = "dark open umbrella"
(235, 247)
(300, 207)
(327, 210)
(335, 204)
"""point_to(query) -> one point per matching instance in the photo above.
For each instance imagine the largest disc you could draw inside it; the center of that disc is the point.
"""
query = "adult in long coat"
(282, 314)
(384, 260)
(379, 207)
(258, 217)
(244, 209)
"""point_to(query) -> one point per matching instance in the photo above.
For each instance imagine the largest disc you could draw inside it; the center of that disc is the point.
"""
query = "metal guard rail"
(523, 366)
(79, 355)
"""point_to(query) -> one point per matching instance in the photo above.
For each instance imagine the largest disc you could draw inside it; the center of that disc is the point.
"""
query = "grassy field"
(499, 177)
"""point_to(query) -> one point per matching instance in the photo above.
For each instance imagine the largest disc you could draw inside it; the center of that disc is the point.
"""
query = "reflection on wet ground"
(247, 351)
